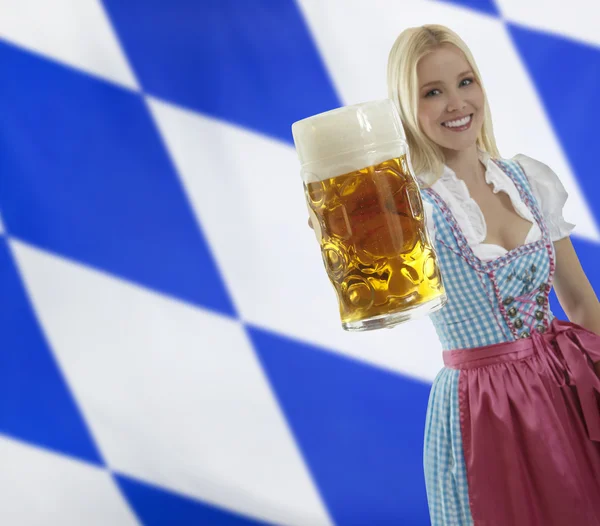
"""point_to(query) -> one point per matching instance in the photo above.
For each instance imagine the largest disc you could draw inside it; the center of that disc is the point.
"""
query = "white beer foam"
(349, 138)
(349, 162)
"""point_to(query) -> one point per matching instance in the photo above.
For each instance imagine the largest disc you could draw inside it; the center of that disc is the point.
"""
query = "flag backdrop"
(170, 347)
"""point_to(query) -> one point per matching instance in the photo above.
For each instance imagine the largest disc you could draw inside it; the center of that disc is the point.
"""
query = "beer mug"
(366, 210)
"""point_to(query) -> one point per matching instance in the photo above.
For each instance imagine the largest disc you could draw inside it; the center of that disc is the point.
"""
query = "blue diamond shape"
(589, 255)
(158, 507)
(250, 63)
(567, 77)
(484, 6)
(35, 403)
(85, 174)
(359, 428)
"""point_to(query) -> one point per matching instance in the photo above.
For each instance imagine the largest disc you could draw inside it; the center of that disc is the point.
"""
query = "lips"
(459, 125)
(458, 122)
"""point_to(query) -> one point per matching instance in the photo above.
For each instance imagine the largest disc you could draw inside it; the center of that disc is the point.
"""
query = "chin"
(457, 146)
(463, 142)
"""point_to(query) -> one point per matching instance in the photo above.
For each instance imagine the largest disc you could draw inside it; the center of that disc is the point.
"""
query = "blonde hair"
(403, 89)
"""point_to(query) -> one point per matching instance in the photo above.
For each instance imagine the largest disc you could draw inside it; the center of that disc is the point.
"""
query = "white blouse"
(546, 187)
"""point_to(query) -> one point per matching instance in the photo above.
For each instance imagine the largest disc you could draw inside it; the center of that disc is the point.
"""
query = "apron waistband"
(567, 351)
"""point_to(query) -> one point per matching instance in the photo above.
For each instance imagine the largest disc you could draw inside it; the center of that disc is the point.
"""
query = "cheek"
(428, 126)
(478, 99)
(433, 108)
(480, 105)
(426, 115)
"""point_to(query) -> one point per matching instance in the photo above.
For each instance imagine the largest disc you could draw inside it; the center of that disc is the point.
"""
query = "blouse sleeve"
(429, 223)
(550, 194)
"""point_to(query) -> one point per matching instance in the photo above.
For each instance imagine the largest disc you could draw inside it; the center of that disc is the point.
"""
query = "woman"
(513, 424)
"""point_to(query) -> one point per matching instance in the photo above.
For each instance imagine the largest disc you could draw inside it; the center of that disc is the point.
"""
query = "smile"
(461, 124)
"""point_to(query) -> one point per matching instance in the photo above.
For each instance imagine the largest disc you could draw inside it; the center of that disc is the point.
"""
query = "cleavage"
(504, 226)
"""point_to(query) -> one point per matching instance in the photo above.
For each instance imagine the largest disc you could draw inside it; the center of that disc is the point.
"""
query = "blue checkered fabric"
(479, 292)
(478, 313)
(443, 460)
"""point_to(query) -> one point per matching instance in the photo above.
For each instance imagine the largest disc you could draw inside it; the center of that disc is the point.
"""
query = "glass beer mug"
(366, 210)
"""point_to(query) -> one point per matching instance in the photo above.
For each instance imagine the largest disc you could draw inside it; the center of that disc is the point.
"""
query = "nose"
(455, 102)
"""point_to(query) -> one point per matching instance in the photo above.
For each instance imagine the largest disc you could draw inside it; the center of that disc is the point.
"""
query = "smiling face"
(451, 102)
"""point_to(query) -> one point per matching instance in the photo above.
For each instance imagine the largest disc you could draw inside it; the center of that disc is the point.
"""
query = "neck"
(465, 164)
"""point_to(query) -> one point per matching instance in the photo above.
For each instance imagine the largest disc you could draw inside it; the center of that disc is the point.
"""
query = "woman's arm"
(576, 295)
(573, 289)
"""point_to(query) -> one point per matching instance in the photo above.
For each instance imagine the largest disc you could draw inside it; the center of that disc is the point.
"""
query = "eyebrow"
(467, 72)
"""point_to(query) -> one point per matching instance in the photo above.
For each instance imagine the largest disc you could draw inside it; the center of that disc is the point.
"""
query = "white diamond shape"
(576, 19)
(173, 394)
(75, 32)
(39, 487)
(248, 196)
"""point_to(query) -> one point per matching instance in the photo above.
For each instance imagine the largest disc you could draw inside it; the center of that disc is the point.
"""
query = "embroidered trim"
(547, 242)
(507, 321)
(490, 268)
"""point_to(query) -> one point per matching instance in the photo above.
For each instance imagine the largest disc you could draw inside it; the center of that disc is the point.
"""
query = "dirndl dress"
(512, 434)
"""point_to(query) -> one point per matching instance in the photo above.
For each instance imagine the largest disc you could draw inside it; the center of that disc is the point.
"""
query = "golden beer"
(374, 245)
(366, 209)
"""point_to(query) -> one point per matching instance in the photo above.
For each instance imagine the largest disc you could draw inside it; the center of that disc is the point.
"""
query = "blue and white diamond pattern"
(170, 350)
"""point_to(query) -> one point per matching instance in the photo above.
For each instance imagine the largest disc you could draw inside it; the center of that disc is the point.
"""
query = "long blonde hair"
(403, 88)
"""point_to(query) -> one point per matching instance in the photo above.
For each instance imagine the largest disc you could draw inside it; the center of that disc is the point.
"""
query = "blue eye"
(432, 93)
(468, 81)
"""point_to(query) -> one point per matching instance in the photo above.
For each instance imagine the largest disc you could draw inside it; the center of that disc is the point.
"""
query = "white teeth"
(455, 124)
